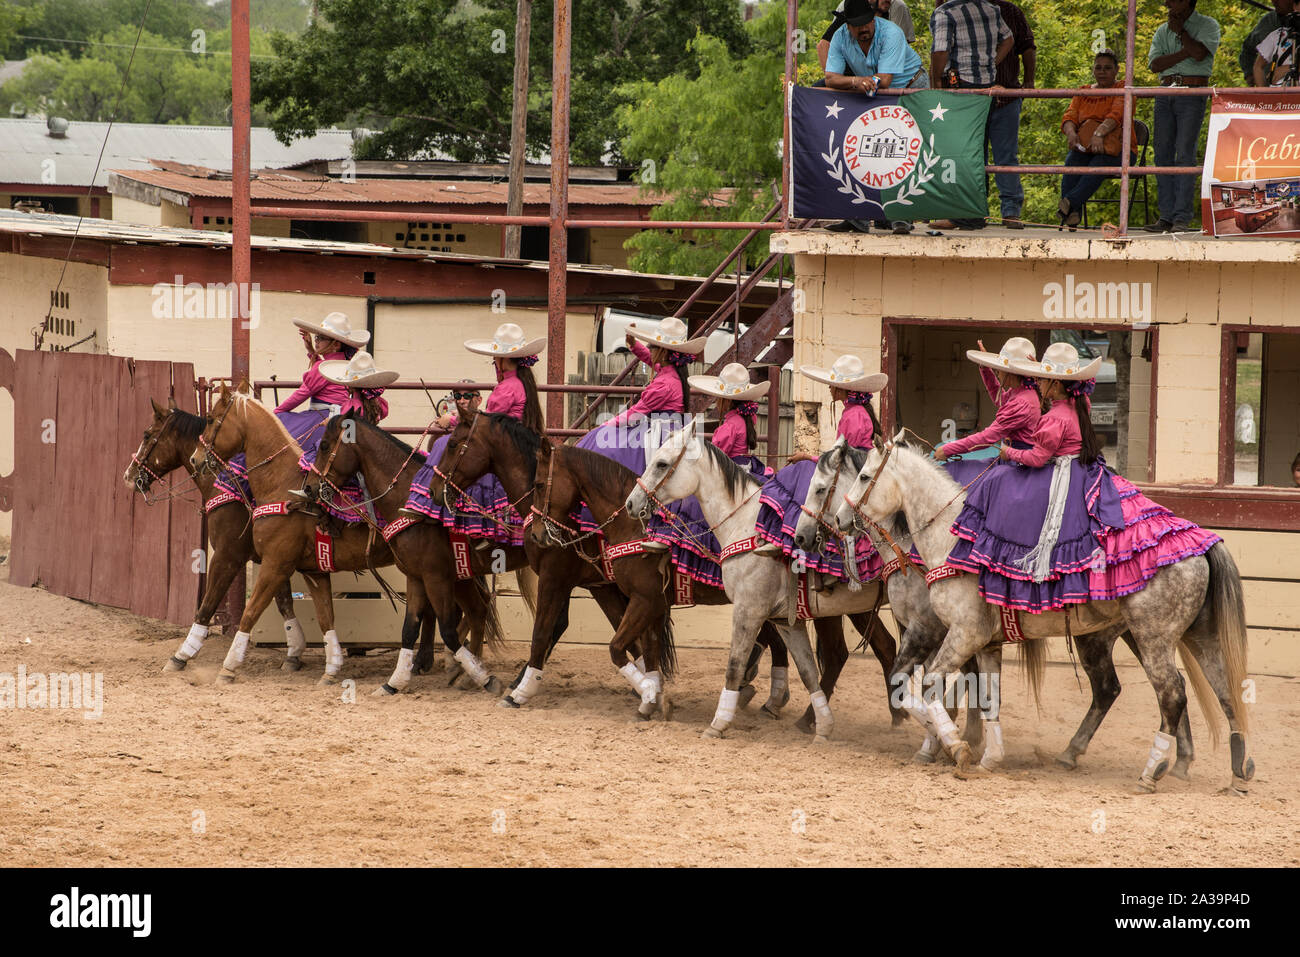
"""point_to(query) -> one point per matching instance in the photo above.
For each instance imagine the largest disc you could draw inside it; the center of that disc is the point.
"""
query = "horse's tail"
(1033, 659)
(1228, 618)
(1205, 695)
(492, 636)
(667, 646)
(526, 579)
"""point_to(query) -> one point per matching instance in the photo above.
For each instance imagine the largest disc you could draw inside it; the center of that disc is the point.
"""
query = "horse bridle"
(650, 492)
(141, 460)
(455, 464)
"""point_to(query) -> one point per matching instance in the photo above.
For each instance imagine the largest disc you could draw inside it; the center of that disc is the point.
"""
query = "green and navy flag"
(919, 156)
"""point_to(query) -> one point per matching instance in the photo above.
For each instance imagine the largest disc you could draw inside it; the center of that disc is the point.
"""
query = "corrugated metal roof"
(279, 186)
(25, 147)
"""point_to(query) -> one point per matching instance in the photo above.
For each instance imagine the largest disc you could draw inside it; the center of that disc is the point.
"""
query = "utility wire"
(123, 46)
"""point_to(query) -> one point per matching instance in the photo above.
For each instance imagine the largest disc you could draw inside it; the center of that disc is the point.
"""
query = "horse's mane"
(524, 439)
(601, 470)
(245, 401)
(397, 444)
(186, 424)
(738, 479)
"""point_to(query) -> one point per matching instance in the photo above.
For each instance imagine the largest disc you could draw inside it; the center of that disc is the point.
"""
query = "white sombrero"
(670, 334)
(733, 383)
(847, 372)
(359, 372)
(335, 326)
(1015, 349)
(1060, 361)
(507, 342)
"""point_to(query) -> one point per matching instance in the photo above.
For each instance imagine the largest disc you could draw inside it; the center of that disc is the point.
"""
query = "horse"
(1194, 605)
(568, 477)
(924, 632)
(421, 550)
(760, 588)
(283, 533)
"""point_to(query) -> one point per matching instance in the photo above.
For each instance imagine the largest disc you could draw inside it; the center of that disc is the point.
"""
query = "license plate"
(1103, 416)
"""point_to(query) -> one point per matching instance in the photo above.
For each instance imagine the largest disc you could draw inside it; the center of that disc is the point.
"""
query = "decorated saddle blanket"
(483, 511)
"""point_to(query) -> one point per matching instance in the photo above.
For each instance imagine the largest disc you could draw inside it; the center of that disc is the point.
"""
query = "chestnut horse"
(422, 550)
(500, 445)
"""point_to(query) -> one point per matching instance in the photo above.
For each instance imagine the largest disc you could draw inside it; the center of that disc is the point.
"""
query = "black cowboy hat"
(858, 12)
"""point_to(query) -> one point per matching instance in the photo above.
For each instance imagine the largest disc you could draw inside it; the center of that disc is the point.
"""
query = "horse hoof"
(385, 690)
(509, 702)
(747, 695)
(175, 664)
(225, 677)
(643, 715)
(1182, 770)
(464, 682)
(771, 712)
(1238, 788)
(898, 719)
(291, 664)
(494, 687)
(1249, 769)
(711, 732)
(327, 681)
(805, 724)
(1145, 786)
(961, 756)
(1067, 760)
(971, 771)
(821, 739)
(454, 671)
(923, 757)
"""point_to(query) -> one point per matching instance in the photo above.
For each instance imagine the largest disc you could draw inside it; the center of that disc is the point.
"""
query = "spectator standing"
(1092, 126)
(1003, 131)
(970, 39)
(1266, 25)
(1182, 53)
(1274, 55)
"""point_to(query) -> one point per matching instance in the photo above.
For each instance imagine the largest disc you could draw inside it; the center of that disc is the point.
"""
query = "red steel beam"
(240, 250)
(559, 270)
(1125, 170)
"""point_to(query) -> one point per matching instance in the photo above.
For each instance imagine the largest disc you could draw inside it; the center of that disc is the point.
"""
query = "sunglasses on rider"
(464, 395)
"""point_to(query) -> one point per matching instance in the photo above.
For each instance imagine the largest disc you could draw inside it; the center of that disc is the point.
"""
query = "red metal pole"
(559, 268)
(1129, 44)
(241, 260)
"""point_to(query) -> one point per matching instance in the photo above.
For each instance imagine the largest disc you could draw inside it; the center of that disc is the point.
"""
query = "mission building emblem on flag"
(912, 157)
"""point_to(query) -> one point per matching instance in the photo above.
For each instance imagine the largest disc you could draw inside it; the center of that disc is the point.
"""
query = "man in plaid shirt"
(970, 39)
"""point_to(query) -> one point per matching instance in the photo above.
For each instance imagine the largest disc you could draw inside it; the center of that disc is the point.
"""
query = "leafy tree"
(438, 74)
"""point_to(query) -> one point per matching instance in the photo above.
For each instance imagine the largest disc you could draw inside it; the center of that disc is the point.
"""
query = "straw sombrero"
(733, 383)
(359, 372)
(507, 342)
(847, 372)
(671, 334)
(1060, 361)
(1015, 349)
(335, 326)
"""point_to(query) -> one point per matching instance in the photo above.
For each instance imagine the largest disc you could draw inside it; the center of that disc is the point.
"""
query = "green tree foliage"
(438, 74)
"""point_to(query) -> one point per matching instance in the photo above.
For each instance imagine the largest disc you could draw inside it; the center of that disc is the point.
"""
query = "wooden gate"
(77, 529)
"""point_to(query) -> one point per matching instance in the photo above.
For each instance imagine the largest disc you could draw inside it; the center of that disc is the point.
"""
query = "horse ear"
(158, 412)
(244, 388)
(898, 439)
(171, 403)
(693, 428)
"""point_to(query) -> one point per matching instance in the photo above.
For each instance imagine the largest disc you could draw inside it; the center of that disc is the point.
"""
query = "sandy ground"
(274, 770)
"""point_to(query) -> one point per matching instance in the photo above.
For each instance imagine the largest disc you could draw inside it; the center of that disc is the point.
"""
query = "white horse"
(1195, 604)
(760, 588)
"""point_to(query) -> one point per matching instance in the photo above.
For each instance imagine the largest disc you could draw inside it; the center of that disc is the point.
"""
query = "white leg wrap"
(940, 721)
(823, 712)
(726, 713)
(294, 637)
(640, 663)
(930, 746)
(652, 685)
(333, 653)
(1162, 750)
(994, 751)
(193, 642)
(238, 649)
(402, 673)
(633, 675)
(473, 667)
(528, 685)
(914, 702)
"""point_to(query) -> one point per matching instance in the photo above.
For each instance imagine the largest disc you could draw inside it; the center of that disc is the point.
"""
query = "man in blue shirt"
(869, 54)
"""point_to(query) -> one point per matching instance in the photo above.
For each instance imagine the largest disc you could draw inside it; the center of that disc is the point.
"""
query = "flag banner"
(1251, 182)
(918, 156)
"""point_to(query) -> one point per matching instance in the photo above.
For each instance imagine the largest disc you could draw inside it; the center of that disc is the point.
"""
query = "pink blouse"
(855, 425)
(730, 436)
(318, 388)
(509, 398)
(663, 394)
(1018, 415)
(1057, 434)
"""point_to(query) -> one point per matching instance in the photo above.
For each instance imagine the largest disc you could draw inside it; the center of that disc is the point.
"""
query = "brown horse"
(422, 550)
(283, 535)
(498, 444)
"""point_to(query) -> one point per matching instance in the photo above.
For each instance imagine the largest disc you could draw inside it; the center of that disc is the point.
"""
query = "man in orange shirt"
(1092, 131)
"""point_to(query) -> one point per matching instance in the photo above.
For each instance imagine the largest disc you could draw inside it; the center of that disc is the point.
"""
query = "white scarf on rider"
(1038, 561)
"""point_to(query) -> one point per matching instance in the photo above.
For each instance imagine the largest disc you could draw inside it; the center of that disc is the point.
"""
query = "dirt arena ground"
(274, 770)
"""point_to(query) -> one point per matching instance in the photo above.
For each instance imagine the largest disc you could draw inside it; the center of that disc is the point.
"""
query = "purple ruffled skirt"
(483, 512)
(782, 501)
